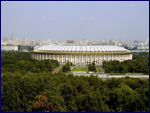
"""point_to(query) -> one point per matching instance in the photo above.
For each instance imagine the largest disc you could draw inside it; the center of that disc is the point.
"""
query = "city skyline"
(12, 36)
(76, 20)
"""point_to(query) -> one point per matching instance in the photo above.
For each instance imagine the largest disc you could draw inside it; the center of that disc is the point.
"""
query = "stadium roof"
(89, 48)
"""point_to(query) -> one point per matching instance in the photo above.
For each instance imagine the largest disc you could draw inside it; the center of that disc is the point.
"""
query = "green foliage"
(139, 64)
(123, 98)
(99, 69)
(29, 48)
(80, 69)
(66, 67)
(92, 67)
(22, 62)
(68, 93)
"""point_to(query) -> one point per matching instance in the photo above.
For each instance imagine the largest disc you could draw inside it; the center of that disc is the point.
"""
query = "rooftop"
(94, 48)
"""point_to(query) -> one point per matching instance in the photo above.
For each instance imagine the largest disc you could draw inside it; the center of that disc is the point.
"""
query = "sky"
(75, 20)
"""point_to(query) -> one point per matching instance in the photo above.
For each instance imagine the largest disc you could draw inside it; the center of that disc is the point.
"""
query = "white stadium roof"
(92, 48)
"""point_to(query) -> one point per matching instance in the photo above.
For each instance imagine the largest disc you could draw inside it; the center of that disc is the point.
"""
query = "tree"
(122, 99)
(66, 68)
(92, 67)
(45, 103)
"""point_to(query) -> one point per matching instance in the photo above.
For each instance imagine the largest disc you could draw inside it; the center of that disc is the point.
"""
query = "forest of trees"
(139, 64)
(22, 62)
(68, 93)
(28, 85)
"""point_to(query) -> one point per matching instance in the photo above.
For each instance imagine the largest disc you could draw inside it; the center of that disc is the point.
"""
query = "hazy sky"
(91, 20)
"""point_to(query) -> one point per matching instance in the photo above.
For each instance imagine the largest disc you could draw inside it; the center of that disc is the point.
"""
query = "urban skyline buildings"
(13, 40)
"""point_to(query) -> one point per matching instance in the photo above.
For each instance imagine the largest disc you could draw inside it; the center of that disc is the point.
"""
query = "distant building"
(136, 41)
(70, 41)
(143, 47)
(21, 43)
(12, 38)
(140, 50)
(9, 47)
(3, 43)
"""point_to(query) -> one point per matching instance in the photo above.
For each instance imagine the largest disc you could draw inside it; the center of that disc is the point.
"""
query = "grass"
(80, 69)
(99, 69)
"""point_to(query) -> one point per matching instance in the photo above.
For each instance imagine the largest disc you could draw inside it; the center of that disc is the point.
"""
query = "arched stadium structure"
(82, 54)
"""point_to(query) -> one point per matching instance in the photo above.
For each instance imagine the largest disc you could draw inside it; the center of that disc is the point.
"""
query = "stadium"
(82, 55)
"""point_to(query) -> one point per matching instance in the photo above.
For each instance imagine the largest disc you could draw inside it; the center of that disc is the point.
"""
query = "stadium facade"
(82, 54)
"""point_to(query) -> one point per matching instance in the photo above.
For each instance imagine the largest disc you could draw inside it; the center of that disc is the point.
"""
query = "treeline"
(139, 64)
(46, 92)
(22, 62)
(22, 47)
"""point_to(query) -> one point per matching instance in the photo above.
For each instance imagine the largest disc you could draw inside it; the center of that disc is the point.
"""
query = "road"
(106, 76)
(103, 71)
(57, 69)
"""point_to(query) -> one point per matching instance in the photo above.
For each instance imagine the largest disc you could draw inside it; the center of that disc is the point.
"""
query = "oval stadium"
(82, 54)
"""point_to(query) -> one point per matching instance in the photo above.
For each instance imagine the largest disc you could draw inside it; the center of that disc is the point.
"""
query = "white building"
(82, 54)
(143, 47)
(9, 47)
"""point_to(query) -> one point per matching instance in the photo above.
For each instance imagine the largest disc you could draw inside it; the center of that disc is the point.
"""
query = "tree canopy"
(69, 93)
(139, 64)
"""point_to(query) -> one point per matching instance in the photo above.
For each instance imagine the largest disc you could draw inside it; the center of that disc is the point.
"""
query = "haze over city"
(74, 20)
